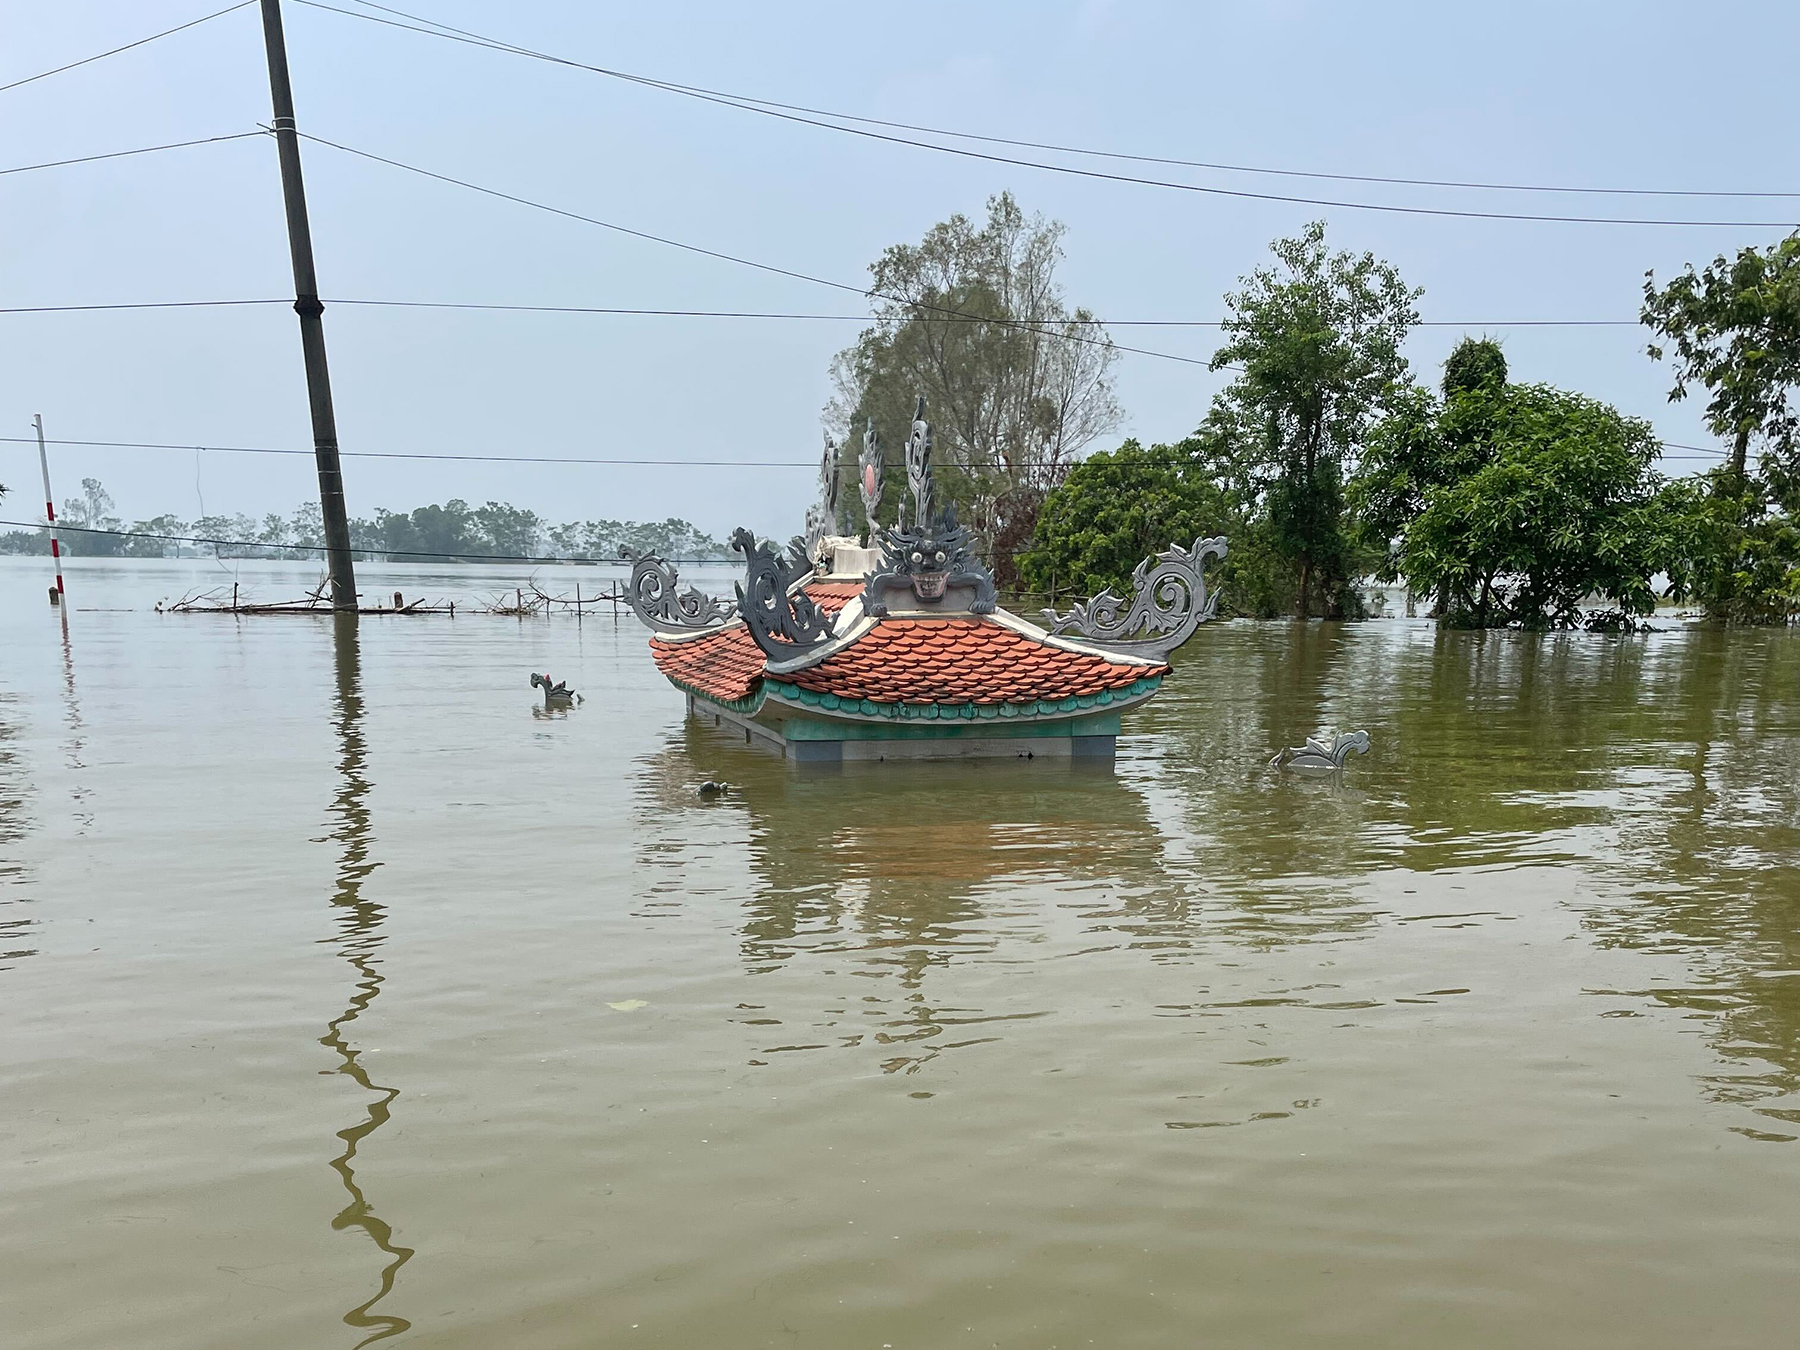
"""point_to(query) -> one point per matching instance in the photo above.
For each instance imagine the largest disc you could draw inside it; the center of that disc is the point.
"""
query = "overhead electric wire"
(139, 304)
(947, 317)
(630, 311)
(1073, 149)
(1702, 452)
(141, 150)
(1023, 325)
(731, 101)
(100, 56)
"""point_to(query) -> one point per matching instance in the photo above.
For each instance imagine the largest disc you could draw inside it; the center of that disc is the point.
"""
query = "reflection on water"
(75, 744)
(1494, 1041)
(15, 788)
(1671, 765)
(359, 939)
(1710, 843)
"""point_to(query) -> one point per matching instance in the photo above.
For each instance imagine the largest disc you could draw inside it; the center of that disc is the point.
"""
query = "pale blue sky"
(1616, 94)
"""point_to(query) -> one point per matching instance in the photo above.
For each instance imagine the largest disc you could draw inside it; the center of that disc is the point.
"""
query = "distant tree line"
(426, 533)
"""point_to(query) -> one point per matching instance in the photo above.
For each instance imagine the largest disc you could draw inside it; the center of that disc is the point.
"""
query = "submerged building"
(837, 650)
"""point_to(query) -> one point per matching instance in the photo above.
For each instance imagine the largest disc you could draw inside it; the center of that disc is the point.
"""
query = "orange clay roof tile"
(726, 665)
(961, 661)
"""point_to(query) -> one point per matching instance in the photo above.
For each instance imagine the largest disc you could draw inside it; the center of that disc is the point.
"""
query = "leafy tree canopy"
(1016, 384)
(1425, 442)
(1733, 327)
(1317, 339)
(1566, 506)
(1118, 507)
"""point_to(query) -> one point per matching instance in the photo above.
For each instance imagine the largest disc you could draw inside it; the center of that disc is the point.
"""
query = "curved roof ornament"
(783, 620)
(1169, 601)
(653, 597)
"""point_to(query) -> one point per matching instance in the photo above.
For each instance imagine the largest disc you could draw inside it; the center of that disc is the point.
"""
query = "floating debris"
(220, 601)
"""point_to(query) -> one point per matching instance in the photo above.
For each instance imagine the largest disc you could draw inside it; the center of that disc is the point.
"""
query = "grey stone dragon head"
(928, 556)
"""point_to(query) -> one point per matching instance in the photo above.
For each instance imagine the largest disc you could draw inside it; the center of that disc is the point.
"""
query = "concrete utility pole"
(312, 323)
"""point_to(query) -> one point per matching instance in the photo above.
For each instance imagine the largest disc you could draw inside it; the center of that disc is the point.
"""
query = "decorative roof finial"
(783, 619)
(822, 518)
(918, 468)
(829, 477)
(871, 477)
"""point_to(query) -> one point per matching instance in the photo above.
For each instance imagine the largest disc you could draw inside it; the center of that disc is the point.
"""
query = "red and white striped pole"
(37, 420)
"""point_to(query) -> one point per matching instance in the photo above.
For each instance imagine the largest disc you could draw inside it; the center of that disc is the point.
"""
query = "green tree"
(232, 531)
(307, 528)
(1426, 442)
(1568, 506)
(1317, 339)
(1733, 328)
(93, 511)
(1016, 384)
(1118, 507)
(145, 547)
(510, 531)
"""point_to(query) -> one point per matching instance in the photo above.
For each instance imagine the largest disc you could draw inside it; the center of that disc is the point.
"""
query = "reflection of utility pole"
(359, 940)
(56, 594)
(311, 312)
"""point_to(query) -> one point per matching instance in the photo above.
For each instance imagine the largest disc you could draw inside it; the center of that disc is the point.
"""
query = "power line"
(139, 304)
(1700, 452)
(100, 56)
(1020, 324)
(762, 313)
(766, 110)
(1048, 145)
(142, 150)
(951, 316)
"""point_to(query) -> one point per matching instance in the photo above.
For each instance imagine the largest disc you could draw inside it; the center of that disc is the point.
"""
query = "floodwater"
(346, 996)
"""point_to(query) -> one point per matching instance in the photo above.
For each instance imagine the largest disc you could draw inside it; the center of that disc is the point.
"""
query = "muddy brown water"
(346, 996)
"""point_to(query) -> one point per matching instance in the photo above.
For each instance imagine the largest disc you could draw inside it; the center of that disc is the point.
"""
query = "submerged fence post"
(56, 595)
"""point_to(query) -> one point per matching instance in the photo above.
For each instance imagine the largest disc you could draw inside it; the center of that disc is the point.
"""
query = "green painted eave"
(746, 705)
(989, 714)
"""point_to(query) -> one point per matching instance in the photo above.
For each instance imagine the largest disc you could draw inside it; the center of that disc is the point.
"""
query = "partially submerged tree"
(1426, 442)
(1016, 384)
(1567, 506)
(1317, 338)
(1733, 328)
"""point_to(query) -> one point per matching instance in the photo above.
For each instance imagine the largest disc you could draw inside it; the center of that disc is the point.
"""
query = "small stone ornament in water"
(557, 695)
(1315, 754)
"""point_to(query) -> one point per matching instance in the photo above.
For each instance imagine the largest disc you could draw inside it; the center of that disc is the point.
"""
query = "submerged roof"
(725, 663)
(965, 659)
(962, 660)
(909, 628)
